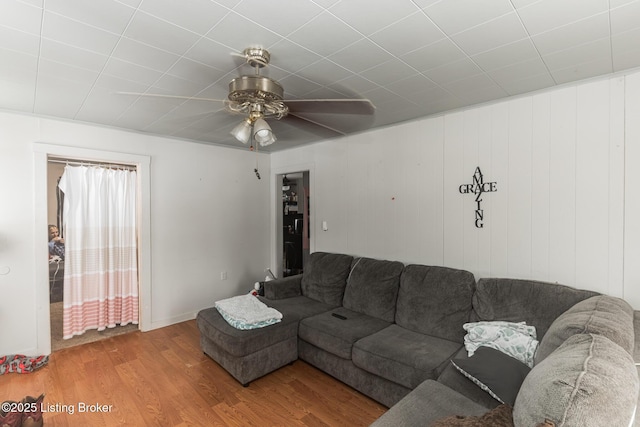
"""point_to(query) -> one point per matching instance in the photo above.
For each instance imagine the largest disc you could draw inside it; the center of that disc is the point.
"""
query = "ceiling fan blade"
(158, 95)
(313, 126)
(340, 106)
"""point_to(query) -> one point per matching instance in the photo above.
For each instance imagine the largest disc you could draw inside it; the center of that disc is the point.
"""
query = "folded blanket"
(515, 339)
(247, 312)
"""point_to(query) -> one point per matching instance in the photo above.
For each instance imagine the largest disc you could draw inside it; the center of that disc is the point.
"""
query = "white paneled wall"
(558, 158)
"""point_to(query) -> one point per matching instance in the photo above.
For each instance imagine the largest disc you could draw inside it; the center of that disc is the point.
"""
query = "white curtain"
(101, 273)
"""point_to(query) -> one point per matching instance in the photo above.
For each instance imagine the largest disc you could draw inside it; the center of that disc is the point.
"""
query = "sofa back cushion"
(372, 287)
(587, 382)
(601, 315)
(325, 277)
(514, 300)
(435, 300)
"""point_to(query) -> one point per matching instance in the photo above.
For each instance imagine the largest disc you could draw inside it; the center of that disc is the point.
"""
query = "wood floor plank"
(162, 378)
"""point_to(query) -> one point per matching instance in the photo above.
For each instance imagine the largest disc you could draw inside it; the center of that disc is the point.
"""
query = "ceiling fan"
(260, 98)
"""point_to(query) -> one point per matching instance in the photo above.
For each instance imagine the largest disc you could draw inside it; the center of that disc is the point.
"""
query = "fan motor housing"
(250, 88)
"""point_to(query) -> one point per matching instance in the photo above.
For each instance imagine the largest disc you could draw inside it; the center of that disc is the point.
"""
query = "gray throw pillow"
(589, 381)
(495, 372)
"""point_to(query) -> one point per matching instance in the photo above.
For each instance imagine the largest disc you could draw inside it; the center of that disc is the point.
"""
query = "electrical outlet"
(223, 275)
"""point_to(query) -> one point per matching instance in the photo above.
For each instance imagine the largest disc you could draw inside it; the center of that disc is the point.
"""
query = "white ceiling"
(411, 58)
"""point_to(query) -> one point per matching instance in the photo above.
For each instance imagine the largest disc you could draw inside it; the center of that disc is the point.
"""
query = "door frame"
(276, 211)
(42, 151)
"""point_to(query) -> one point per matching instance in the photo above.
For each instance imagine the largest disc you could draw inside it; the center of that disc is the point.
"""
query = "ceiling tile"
(585, 70)
(74, 56)
(409, 86)
(276, 14)
(456, 16)
(143, 54)
(66, 72)
(108, 15)
(17, 96)
(357, 13)
(360, 56)
(238, 33)
(213, 54)
(625, 18)
(291, 57)
(434, 55)
(626, 50)
(20, 16)
(197, 16)
(324, 72)
(584, 31)
(408, 34)
(453, 71)
(200, 74)
(546, 15)
(389, 72)
(528, 84)
(128, 71)
(578, 54)
(19, 41)
(18, 68)
(74, 33)
(519, 71)
(325, 34)
(491, 34)
(153, 31)
(296, 86)
(512, 53)
(59, 97)
(353, 84)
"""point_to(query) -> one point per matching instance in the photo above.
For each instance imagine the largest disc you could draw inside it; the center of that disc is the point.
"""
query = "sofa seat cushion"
(428, 403)
(240, 343)
(588, 381)
(336, 335)
(300, 306)
(602, 315)
(435, 300)
(515, 300)
(372, 287)
(403, 356)
(325, 277)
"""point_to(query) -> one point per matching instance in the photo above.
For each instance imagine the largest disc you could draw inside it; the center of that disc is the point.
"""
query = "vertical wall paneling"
(562, 176)
(453, 201)
(616, 187)
(485, 161)
(632, 191)
(540, 186)
(592, 186)
(499, 199)
(519, 189)
(567, 203)
(358, 179)
(470, 158)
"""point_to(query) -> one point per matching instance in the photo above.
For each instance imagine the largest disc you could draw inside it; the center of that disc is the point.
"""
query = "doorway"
(57, 256)
(42, 152)
(294, 223)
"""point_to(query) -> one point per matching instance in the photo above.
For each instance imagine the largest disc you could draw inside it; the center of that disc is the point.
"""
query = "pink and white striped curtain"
(101, 267)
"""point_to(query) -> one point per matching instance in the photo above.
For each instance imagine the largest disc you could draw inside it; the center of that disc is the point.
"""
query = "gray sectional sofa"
(392, 331)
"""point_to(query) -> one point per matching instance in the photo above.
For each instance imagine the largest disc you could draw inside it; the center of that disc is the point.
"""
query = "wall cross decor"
(477, 187)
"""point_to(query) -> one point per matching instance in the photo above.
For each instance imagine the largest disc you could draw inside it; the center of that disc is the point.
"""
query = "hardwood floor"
(162, 378)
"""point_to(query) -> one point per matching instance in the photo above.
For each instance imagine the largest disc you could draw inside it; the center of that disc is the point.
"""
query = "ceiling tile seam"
(35, 91)
(167, 72)
(104, 66)
(610, 37)
(546, 66)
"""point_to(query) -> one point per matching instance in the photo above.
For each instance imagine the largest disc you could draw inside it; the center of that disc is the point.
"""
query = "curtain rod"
(91, 163)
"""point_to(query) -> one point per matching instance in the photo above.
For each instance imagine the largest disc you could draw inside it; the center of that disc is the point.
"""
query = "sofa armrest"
(285, 287)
